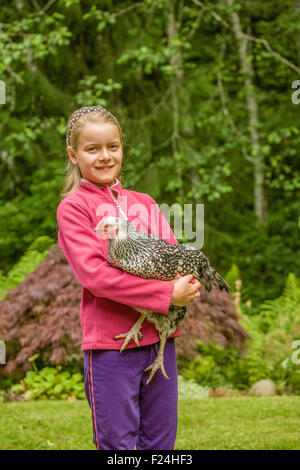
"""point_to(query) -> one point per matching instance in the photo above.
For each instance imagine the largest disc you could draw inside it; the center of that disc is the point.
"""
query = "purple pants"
(125, 411)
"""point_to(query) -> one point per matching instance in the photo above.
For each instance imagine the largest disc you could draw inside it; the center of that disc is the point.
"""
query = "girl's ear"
(72, 155)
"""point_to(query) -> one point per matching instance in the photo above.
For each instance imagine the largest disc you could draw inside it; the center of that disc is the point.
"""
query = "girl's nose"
(104, 155)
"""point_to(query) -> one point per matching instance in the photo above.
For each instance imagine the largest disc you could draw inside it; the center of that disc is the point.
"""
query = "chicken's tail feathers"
(212, 277)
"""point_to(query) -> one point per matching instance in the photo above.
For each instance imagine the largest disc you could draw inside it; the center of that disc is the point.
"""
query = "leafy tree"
(203, 92)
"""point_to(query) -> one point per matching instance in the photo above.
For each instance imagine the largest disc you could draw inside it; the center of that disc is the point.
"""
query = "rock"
(71, 399)
(263, 388)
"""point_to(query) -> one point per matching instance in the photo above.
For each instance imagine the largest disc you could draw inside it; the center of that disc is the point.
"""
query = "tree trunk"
(297, 38)
(175, 61)
(260, 201)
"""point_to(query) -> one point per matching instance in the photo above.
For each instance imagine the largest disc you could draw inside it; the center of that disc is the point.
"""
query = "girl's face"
(99, 153)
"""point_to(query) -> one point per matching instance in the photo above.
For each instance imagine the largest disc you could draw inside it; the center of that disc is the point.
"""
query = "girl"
(125, 412)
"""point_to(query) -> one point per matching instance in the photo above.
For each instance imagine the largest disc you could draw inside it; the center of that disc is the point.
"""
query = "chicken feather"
(149, 256)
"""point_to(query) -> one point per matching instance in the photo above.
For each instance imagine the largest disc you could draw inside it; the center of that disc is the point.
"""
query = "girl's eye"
(91, 149)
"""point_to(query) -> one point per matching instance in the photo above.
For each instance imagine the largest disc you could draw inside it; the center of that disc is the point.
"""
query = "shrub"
(50, 383)
(41, 315)
(36, 252)
(216, 367)
(232, 275)
(267, 355)
(190, 389)
(211, 319)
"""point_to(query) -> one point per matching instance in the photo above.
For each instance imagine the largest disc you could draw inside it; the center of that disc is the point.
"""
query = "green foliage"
(35, 253)
(269, 354)
(218, 367)
(92, 91)
(5, 385)
(190, 389)
(50, 383)
(27, 218)
(283, 312)
(232, 275)
(182, 102)
(280, 323)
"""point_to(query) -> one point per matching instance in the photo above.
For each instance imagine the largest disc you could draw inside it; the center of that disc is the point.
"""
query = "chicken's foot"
(159, 361)
(134, 332)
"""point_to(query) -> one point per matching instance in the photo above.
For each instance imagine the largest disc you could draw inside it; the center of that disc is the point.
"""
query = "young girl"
(125, 411)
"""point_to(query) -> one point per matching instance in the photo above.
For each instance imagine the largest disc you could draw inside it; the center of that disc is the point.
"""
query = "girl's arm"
(85, 253)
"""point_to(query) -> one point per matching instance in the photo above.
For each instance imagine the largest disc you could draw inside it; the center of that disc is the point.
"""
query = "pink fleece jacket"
(109, 294)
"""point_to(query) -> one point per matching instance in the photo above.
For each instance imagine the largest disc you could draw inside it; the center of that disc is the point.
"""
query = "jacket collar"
(116, 186)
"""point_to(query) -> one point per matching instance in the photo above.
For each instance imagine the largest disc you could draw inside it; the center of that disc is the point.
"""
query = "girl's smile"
(105, 168)
(99, 153)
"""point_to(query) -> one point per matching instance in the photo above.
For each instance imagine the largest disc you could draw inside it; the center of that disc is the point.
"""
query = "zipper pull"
(118, 205)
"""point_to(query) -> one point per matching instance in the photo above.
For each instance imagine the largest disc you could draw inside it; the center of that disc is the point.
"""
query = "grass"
(240, 423)
(209, 423)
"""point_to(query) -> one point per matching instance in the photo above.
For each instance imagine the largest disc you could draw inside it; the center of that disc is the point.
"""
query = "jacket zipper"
(121, 212)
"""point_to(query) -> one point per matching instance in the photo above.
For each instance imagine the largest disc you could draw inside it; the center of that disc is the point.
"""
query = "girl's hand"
(185, 290)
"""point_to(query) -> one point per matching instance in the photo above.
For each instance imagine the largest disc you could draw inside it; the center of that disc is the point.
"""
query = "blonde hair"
(76, 122)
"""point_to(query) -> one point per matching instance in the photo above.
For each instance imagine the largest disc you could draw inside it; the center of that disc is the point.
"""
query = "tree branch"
(14, 74)
(225, 108)
(213, 13)
(49, 4)
(274, 53)
(264, 42)
(154, 111)
(125, 10)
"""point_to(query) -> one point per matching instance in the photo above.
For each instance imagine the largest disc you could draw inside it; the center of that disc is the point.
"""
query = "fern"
(283, 309)
(279, 321)
(269, 352)
(292, 288)
(232, 275)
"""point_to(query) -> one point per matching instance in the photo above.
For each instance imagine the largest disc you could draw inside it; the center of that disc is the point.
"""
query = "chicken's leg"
(159, 361)
(134, 332)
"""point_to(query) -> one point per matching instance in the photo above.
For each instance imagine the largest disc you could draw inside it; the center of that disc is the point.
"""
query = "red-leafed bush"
(42, 315)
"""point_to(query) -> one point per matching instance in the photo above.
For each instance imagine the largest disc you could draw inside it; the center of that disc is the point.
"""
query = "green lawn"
(210, 423)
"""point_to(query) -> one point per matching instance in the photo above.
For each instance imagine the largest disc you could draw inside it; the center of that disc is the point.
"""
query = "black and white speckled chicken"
(151, 257)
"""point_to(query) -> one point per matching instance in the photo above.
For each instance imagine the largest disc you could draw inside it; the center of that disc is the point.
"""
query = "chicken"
(151, 257)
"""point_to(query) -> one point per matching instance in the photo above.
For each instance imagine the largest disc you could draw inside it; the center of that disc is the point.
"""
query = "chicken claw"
(157, 364)
(133, 334)
(159, 361)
